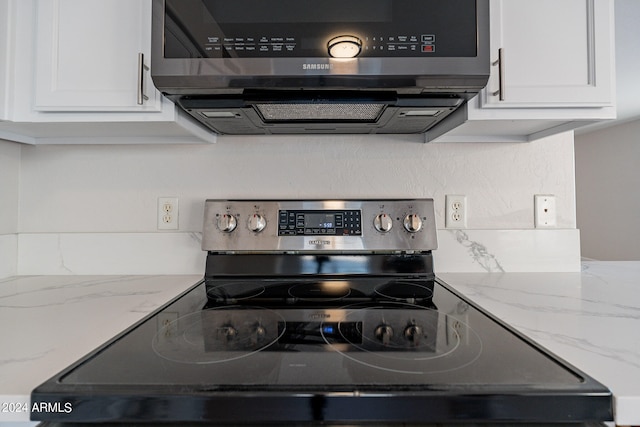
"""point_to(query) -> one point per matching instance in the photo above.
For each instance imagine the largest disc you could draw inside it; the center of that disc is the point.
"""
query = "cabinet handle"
(141, 69)
(500, 64)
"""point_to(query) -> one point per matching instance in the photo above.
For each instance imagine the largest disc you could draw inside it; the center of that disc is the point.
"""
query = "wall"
(9, 183)
(608, 198)
(115, 188)
(69, 191)
(627, 58)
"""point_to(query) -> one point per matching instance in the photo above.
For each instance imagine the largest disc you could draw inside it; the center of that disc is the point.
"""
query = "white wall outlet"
(167, 324)
(167, 213)
(544, 210)
(455, 211)
(457, 330)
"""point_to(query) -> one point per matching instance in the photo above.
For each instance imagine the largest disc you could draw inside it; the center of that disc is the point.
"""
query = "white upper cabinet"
(76, 71)
(93, 55)
(550, 53)
(552, 71)
(4, 58)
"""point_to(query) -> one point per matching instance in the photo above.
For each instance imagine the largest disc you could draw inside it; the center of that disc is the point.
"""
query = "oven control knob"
(228, 332)
(258, 334)
(383, 223)
(384, 333)
(412, 223)
(256, 223)
(227, 223)
(259, 331)
(413, 333)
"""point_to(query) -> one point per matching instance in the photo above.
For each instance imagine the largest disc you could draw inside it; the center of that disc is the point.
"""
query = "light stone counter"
(49, 322)
(591, 319)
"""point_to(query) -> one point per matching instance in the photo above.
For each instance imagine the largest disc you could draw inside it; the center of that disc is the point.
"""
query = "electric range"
(321, 312)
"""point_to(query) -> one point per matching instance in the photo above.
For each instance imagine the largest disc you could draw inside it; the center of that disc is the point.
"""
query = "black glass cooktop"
(352, 350)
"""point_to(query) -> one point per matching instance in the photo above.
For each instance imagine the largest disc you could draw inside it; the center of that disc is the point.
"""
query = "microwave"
(297, 66)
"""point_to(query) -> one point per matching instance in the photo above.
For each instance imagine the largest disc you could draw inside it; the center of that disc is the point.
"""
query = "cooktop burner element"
(231, 293)
(403, 339)
(324, 291)
(218, 335)
(403, 290)
(293, 324)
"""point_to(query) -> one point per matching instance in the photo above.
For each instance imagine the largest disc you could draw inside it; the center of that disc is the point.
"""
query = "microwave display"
(306, 29)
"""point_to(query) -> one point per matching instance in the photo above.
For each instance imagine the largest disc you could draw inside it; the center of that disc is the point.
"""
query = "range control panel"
(343, 226)
(321, 222)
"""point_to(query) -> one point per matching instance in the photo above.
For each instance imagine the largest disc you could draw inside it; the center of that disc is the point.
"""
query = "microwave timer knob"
(256, 223)
(227, 223)
(344, 47)
(412, 223)
(383, 223)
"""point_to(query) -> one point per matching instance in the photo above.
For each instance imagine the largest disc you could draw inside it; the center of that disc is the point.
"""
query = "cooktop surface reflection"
(428, 337)
(322, 350)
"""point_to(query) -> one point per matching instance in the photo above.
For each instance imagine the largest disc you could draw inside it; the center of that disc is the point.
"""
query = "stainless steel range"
(322, 312)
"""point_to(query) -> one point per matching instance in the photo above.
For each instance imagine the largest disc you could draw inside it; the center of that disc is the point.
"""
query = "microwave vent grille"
(320, 111)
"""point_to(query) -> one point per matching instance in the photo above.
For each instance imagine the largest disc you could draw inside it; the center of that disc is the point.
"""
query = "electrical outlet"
(457, 331)
(167, 324)
(544, 207)
(455, 211)
(457, 324)
(167, 213)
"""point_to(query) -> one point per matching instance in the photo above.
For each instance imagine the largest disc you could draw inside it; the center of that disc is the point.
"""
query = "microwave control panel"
(305, 29)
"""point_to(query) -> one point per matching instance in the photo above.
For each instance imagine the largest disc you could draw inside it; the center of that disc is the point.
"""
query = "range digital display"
(320, 221)
(311, 223)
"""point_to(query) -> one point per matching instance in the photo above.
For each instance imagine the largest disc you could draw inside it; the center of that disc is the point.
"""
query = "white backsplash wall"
(9, 183)
(9, 179)
(114, 189)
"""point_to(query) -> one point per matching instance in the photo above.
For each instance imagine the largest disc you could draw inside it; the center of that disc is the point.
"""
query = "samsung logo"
(317, 66)
(319, 242)
(315, 316)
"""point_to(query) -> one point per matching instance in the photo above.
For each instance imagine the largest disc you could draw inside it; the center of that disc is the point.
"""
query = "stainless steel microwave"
(301, 66)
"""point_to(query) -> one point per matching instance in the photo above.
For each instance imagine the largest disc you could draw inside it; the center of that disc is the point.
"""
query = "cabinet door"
(87, 56)
(554, 54)
(5, 61)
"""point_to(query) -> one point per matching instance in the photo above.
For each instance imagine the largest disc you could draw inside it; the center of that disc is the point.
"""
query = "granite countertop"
(591, 319)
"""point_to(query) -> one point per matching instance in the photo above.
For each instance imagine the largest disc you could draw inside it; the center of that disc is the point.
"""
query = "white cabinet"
(91, 55)
(75, 73)
(554, 54)
(5, 37)
(552, 71)
(70, 72)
